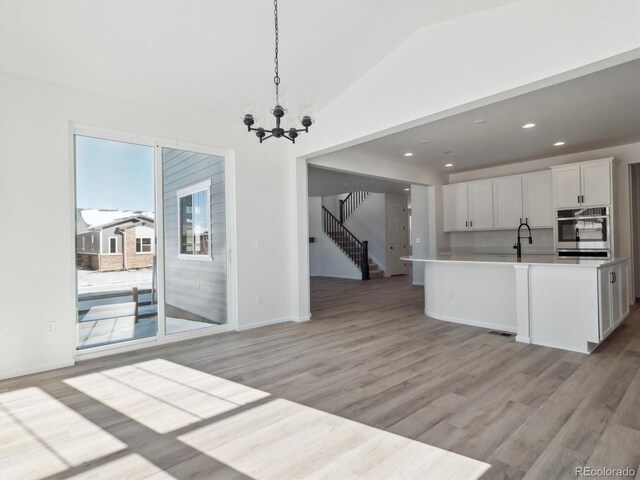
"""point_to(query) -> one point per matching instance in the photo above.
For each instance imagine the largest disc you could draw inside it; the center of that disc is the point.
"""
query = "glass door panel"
(115, 242)
(195, 262)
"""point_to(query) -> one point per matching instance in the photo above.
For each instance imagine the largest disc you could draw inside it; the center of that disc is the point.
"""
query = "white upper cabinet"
(566, 183)
(596, 179)
(508, 202)
(456, 211)
(480, 205)
(583, 184)
(538, 204)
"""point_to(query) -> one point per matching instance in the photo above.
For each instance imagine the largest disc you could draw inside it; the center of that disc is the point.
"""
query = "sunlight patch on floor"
(285, 440)
(163, 395)
(131, 466)
(40, 436)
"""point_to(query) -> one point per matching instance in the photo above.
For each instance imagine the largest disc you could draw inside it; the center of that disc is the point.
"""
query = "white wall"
(635, 212)
(325, 257)
(626, 154)
(36, 286)
(452, 63)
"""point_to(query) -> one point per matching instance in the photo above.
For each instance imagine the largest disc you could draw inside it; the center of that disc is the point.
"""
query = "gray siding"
(195, 286)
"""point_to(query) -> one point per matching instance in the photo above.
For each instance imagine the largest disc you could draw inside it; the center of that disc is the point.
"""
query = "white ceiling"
(323, 182)
(210, 56)
(594, 111)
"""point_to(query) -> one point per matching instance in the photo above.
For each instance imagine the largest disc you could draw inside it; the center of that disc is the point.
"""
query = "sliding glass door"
(139, 280)
(195, 261)
(115, 242)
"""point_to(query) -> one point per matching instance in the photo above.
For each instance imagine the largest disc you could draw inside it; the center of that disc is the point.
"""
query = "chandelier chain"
(276, 79)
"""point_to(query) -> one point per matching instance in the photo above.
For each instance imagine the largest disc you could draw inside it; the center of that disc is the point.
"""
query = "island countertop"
(512, 260)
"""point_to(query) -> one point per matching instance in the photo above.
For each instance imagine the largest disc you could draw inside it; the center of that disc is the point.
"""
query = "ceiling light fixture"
(528, 125)
(424, 141)
(448, 165)
(479, 122)
(407, 189)
(278, 111)
(408, 154)
(558, 144)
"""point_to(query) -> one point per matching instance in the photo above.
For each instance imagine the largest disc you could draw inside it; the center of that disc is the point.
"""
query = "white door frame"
(230, 207)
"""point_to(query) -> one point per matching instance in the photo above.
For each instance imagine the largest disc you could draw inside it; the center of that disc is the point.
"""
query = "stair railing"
(349, 204)
(356, 250)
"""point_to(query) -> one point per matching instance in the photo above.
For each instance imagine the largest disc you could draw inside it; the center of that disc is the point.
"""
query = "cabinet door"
(616, 295)
(538, 204)
(480, 205)
(604, 287)
(596, 184)
(456, 214)
(566, 186)
(507, 202)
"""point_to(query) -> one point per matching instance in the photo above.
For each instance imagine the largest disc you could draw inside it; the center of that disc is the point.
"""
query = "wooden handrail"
(349, 204)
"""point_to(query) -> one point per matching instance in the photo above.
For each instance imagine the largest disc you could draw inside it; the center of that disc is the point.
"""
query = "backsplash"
(501, 242)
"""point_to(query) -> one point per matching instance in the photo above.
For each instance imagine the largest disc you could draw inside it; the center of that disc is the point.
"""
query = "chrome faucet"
(518, 245)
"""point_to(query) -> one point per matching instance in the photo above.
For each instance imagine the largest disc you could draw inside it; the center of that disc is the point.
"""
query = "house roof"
(97, 219)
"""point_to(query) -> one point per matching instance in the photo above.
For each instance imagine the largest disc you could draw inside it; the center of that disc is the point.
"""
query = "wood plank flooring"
(369, 388)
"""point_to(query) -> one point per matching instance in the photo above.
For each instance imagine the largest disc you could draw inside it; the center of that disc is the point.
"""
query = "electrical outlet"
(260, 243)
(259, 298)
(418, 240)
(51, 327)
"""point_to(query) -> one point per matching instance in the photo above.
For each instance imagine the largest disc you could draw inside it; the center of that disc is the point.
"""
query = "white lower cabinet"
(613, 298)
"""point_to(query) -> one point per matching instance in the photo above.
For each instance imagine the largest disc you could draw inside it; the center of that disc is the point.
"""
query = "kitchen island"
(573, 304)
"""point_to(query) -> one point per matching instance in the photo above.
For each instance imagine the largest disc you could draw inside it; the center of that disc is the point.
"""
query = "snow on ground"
(95, 281)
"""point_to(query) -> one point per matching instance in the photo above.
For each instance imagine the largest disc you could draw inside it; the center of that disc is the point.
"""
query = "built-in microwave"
(583, 232)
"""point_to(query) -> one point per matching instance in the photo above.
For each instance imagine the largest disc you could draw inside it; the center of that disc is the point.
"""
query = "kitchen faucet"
(518, 245)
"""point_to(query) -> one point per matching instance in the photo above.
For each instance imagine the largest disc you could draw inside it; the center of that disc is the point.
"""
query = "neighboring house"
(110, 240)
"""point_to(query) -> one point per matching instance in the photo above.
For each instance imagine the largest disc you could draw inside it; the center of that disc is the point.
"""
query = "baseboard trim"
(522, 339)
(37, 369)
(473, 323)
(273, 321)
(418, 284)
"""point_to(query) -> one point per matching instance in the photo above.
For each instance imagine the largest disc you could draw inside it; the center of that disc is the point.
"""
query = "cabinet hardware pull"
(578, 198)
(471, 223)
(466, 223)
(520, 219)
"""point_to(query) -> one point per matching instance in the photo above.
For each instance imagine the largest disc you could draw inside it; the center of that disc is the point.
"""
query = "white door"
(455, 207)
(566, 186)
(397, 234)
(596, 184)
(605, 277)
(481, 205)
(507, 205)
(538, 205)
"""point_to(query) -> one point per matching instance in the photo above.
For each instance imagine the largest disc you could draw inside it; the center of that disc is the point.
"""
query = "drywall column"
(420, 238)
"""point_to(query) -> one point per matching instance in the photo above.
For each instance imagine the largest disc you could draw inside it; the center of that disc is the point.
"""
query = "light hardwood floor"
(369, 388)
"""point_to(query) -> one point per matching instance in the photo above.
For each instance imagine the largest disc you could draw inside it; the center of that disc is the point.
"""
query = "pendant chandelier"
(278, 111)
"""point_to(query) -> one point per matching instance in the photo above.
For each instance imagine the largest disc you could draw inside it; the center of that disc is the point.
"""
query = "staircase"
(356, 250)
(349, 204)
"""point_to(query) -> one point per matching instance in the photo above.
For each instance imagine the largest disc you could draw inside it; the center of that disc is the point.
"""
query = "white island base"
(568, 304)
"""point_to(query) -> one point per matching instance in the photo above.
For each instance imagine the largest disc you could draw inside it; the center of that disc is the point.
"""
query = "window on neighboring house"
(92, 243)
(194, 221)
(143, 245)
(113, 245)
(83, 243)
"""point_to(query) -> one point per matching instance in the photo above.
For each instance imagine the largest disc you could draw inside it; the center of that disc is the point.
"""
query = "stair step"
(376, 274)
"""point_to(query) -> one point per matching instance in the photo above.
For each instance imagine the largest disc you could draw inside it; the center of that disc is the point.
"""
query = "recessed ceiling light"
(424, 141)
(408, 154)
(449, 165)
(448, 151)
(480, 121)
(528, 125)
(558, 144)
(407, 189)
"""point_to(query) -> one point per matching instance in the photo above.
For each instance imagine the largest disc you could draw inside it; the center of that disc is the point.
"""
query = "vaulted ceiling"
(210, 56)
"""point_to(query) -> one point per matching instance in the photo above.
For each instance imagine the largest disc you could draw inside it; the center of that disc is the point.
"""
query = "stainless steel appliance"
(583, 232)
